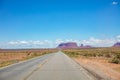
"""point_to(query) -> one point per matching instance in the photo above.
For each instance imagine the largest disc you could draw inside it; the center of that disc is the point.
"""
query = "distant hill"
(68, 45)
(86, 46)
(116, 44)
(72, 45)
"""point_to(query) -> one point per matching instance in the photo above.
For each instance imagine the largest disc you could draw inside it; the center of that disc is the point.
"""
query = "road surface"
(56, 66)
(20, 70)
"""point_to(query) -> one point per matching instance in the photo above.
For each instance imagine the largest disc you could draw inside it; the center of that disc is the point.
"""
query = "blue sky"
(49, 22)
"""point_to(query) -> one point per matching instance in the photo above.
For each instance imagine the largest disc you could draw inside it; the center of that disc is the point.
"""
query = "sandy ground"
(10, 56)
(100, 66)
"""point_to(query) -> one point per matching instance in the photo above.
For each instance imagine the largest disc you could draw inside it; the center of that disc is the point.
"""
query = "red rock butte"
(71, 45)
(116, 44)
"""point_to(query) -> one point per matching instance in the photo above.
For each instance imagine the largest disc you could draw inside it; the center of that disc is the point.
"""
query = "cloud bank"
(95, 42)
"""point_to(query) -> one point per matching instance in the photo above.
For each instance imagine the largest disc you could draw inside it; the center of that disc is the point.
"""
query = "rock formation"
(116, 44)
(71, 45)
(68, 45)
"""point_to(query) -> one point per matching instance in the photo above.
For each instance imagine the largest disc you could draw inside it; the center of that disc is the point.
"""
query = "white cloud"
(118, 36)
(99, 42)
(17, 42)
(95, 42)
(58, 41)
(30, 44)
(13, 42)
(114, 3)
(23, 42)
(36, 42)
(91, 41)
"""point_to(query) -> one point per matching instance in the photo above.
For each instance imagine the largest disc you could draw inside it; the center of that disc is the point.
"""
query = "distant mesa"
(71, 45)
(116, 44)
(86, 46)
(68, 45)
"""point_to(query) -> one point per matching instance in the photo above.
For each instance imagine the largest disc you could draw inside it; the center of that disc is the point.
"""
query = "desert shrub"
(99, 54)
(35, 54)
(5, 63)
(108, 55)
(116, 59)
(71, 53)
(111, 53)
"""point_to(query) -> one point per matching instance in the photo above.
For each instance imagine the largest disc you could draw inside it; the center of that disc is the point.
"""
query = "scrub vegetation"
(10, 56)
(104, 62)
(113, 53)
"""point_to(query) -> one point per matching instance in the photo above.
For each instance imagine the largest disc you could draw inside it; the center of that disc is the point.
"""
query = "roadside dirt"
(100, 66)
(11, 56)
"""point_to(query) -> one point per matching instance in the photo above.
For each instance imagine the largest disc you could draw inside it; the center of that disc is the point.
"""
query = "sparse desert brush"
(116, 59)
(112, 53)
(8, 56)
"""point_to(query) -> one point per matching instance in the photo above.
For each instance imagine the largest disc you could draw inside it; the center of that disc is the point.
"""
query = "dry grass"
(105, 61)
(8, 57)
(117, 69)
(101, 66)
(112, 53)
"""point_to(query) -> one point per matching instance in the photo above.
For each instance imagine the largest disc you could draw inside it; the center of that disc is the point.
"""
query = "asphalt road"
(56, 66)
(20, 71)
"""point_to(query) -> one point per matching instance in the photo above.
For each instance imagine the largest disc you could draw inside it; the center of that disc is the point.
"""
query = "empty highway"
(55, 66)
